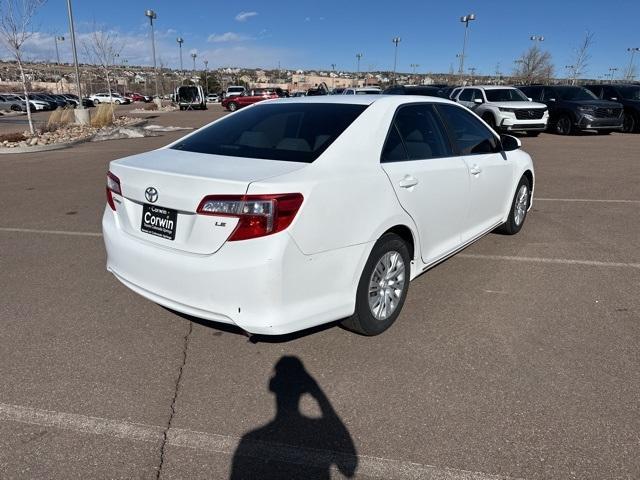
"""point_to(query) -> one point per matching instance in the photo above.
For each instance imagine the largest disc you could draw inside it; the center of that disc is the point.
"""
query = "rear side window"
(294, 132)
(466, 95)
(532, 92)
(470, 135)
(418, 129)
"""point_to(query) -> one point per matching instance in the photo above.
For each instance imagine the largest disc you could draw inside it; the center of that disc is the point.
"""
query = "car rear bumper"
(264, 285)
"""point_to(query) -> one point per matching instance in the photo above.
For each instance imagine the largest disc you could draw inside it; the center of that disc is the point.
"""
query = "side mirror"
(614, 99)
(510, 143)
(530, 99)
(477, 101)
(552, 99)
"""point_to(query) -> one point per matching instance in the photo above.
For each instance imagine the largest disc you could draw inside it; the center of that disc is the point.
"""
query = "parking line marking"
(594, 200)
(213, 443)
(50, 232)
(561, 261)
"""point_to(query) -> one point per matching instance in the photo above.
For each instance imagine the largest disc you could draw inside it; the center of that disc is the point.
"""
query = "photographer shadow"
(294, 445)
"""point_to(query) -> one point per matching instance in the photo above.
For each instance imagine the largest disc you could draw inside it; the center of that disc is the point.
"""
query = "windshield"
(574, 93)
(505, 95)
(367, 92)
(235, 89)
(294, 132)
(630, 92)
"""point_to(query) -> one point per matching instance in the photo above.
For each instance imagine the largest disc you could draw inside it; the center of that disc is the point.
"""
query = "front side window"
(469, 134)
(574, 93)
(416, 134)
(631, 92)
(466, 95)
(295, 132)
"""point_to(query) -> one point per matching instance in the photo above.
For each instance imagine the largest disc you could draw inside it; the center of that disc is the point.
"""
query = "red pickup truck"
(248, 98)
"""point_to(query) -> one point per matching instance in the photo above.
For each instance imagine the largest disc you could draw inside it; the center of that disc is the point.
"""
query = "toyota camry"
(297, 212)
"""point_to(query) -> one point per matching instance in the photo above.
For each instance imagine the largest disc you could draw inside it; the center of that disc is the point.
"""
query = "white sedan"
(116, 98)
(297, 212)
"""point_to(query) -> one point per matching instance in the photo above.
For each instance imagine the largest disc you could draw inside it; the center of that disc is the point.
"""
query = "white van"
(190, 97)
(234, 90)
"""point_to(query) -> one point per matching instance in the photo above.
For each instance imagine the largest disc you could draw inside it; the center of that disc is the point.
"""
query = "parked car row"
(41, 101)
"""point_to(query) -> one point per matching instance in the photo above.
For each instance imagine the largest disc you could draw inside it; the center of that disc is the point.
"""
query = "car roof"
(491, 87)
(392, 100)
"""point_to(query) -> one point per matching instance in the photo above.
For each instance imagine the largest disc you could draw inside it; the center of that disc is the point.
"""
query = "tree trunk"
(26, 95)
(113, 112)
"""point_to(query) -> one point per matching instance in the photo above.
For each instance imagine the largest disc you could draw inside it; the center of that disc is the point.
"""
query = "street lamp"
(152, 16)
(396, 41)
(358, 56)
(613, 71)
(206, 83)
(633, 51)
(570, 68)
(414, 66)
(536, 38)
(56, 39)
(465, 19)
(333, 77)
(193, 56)
(180, 41)
(82, 117)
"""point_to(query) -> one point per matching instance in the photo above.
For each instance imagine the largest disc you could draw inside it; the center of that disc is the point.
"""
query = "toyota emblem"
(151, 194)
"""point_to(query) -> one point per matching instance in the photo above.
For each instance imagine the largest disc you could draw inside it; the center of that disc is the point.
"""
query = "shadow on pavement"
(293, 445)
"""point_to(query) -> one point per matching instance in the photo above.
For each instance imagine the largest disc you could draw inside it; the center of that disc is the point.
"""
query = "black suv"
(629, 96)
(573, 108)
(430, 91)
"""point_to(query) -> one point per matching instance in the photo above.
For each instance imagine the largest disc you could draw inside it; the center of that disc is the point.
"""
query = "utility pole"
(333, 77)
(180, 41)
(414, 66)
(465, 19)
(206, 83)
(396, 41)
(81, 114)
(57, 38)
(613, 71)
(152, 16)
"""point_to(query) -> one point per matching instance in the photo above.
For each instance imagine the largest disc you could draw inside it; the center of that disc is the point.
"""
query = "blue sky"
(317, 34)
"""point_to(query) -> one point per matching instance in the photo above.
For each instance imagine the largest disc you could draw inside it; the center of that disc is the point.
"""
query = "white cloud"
(226, 37)
(243, 16)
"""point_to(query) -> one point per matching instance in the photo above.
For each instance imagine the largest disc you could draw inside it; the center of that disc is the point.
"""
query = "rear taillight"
(258, 215)
(113, 185)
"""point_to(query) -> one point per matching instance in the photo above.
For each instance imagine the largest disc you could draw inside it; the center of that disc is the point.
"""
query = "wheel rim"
(522, 201)
(563, 125)
(386, 285)
(232, 107)
(628, 123)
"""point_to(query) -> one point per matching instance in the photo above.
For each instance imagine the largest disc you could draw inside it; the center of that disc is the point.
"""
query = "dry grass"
(54, 119)
(103, 116)
(12, 137)
(150, 106)
(68, 116)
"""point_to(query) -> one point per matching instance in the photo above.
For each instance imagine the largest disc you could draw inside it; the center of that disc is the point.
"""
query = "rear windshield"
(294, 132)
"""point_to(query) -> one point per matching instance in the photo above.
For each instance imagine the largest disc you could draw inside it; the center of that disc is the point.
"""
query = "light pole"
(80, 117)
(633, 51)
(180, 41)
(193, 56)
(152, 16)
(473, 72)
(206, 83)
(396, 41)
(333, 77)
(536, 38)
(570, 68)
(613, 71)
(358, 56)
(414, 66)
(465, 19)
(57, 38)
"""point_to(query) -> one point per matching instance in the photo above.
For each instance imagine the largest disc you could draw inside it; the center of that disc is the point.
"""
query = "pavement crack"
(176, 391)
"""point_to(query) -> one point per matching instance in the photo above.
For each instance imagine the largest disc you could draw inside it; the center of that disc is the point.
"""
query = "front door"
(431, 183)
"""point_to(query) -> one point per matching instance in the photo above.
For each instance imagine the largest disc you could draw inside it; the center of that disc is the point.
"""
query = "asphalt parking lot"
(518, 358)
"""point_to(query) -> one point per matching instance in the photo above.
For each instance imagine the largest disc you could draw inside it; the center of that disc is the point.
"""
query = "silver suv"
(504, 109)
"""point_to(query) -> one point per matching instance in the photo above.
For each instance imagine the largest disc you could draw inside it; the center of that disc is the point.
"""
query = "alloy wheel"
(522, 202)
(629, 123)
(386, 285)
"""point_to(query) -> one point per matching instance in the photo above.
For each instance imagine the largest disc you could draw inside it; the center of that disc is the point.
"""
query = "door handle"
(475, 169)
(408, 181)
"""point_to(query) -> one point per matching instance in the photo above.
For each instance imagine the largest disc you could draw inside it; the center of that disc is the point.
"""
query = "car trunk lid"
(164, 188)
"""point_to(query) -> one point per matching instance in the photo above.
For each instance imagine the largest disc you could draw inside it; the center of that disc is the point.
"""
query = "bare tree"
(104, 48)
(581, 57)
(534, 66)
(15, 30)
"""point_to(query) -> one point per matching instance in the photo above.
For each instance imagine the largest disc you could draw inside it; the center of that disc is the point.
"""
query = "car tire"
(16, 108)
(370, 317)
(118, 102)
(518, 210)
(96, 101)
(629, 123)
(605, 132)
(233, 106)
(564, 125)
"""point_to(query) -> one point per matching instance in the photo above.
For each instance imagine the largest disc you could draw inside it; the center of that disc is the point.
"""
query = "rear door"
(489, 171)
(430, 182)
